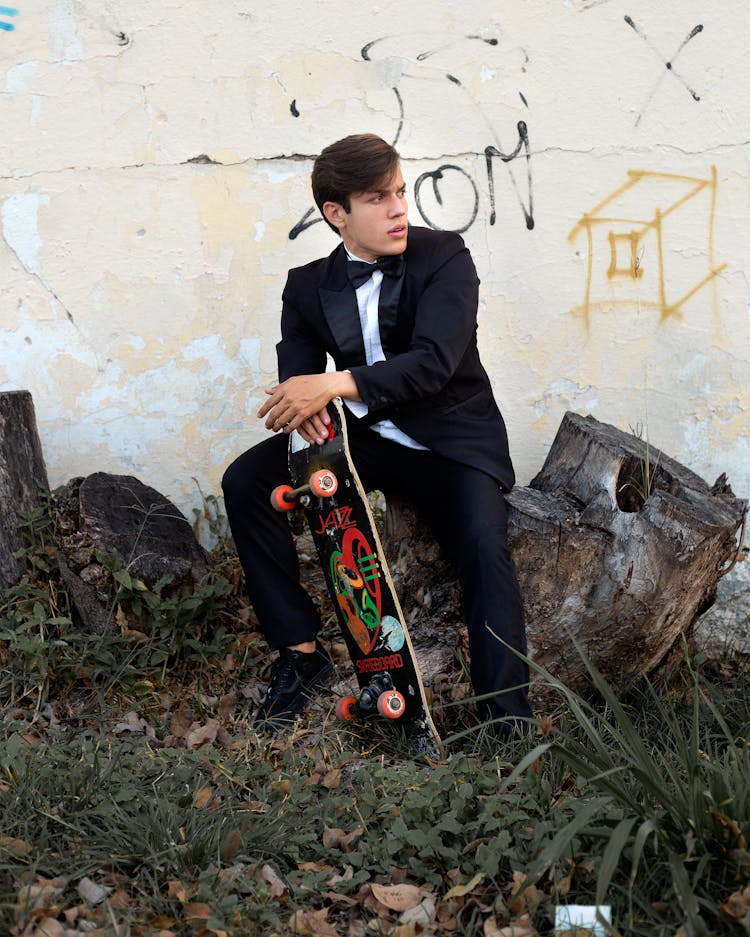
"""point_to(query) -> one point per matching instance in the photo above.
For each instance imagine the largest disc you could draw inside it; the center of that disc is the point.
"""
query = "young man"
(395, 307)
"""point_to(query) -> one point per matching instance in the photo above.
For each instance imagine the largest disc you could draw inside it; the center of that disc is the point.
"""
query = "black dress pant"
(466, 512)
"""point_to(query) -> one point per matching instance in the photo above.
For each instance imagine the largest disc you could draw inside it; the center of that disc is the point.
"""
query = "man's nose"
(398, 205)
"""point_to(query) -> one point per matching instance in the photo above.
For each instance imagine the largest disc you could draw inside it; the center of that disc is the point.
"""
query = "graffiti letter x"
(667, 63)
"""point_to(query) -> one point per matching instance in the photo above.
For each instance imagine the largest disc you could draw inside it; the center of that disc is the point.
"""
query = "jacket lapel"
(390, 292)
(339, 304)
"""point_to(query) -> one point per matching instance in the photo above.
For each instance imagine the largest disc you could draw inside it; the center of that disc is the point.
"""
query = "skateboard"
(325, 484)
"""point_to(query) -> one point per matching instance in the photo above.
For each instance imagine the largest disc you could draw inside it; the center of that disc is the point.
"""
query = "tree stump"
(23, 476)
(618, 549)
(104, 514)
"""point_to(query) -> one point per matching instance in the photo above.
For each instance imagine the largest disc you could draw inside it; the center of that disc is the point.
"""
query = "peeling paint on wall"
(20, 215)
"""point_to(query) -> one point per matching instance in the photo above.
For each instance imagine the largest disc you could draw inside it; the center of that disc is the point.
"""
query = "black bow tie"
(359, 272)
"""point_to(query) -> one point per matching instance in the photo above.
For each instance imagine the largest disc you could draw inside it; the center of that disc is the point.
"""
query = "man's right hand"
(315, 430)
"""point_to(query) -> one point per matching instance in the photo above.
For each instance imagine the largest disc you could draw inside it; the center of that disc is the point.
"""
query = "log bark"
(23, 476)
(618, 549)
(104, 514)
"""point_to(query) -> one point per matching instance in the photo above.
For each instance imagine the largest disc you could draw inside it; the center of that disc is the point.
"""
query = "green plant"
(45, 649)
(639, 473)
(171, 624)
(674, 779)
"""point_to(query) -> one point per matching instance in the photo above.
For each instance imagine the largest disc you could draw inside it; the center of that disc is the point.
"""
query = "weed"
(639, 474)
(45, 649)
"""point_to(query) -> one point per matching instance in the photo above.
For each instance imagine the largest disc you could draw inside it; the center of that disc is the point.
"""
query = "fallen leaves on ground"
(522, 927)
(737, 905)
(398, 897)
(312, 924)
(200, 735)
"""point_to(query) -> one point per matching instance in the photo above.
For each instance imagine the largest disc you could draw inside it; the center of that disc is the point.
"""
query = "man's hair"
(350, 166)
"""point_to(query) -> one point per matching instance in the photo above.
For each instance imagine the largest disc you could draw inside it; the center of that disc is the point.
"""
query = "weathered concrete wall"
(154, 168)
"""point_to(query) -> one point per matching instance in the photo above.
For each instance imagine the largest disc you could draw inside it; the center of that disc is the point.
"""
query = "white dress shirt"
(368, 298)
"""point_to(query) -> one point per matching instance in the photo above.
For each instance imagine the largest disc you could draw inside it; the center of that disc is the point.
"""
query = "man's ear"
(335, 214)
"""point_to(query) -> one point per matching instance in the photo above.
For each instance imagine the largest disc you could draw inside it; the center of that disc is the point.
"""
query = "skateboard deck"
(326, 485)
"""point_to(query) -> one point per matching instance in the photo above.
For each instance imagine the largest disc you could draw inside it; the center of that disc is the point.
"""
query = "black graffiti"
(303, 224)
(438, 177)
(293, 108)
(490, 152)
(400, 115)
(668, 62)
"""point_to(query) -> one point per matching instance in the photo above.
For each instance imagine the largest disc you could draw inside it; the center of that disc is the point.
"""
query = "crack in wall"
(45, 285)
(206, 158)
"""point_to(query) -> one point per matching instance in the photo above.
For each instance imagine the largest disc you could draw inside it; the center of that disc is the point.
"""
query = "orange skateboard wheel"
(323, 483)
(391, 704)
(279, 500)
(345, 707)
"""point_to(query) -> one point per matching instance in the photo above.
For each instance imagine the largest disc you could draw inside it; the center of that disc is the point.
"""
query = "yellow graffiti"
(649, 243)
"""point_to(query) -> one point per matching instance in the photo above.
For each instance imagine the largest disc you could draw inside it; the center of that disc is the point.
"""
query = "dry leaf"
(458, 891)
(334, 838)
(48, 927)
(312, 924)
(226, 705)
(177, 889)
(563, 885)
(315, 867)
(180, 721)
(522, 897)
(420, 916)
(520, 928)
(197, 911)
(42, 894)
(92, 893)
(346, 877)
(737, 905)
(332, 779)
(398, 897)
(18, 847)
(274, 884)
(198, 736)
(232, 843)
(202, 798)
(336, 897)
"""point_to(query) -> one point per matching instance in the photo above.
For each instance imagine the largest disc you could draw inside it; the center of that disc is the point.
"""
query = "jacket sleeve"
(444, 326)
(300, 350)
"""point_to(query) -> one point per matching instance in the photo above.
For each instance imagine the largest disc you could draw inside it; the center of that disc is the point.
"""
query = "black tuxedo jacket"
(432, 383)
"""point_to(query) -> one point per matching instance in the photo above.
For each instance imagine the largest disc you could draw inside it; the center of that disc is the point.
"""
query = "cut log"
(104, 514)
(23, 476)
(618, 549)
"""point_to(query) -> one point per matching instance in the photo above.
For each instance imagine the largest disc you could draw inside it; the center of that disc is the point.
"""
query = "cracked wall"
(154, 166)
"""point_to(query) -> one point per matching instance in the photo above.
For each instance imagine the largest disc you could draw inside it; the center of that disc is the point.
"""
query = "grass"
(135, 800)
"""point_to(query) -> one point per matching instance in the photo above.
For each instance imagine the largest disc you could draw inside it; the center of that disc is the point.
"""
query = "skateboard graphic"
(325, 484)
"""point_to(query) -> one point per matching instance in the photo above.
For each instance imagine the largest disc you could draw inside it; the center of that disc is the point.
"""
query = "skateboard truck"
(322, 483)
(379, 696)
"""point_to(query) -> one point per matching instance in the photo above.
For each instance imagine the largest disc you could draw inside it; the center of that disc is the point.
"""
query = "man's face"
(375, 226)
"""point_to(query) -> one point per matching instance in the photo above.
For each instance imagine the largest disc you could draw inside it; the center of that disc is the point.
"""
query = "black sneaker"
(293, 678)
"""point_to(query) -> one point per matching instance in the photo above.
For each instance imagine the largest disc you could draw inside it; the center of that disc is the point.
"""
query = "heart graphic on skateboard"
(355, 572)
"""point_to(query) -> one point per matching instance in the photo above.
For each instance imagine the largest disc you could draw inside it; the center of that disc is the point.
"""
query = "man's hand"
(300, 403)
